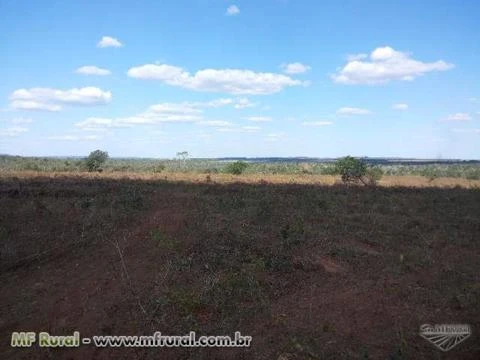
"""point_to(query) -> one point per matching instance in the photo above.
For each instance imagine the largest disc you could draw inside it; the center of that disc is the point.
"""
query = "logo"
(445, 336)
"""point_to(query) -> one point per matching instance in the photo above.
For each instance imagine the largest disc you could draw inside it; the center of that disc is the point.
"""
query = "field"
(309, 268)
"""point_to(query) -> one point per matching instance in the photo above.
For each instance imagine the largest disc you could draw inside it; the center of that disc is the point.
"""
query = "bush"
(374, 174)
(350, 169)
(356, 170)
(159, 168)
(430, 173)
(237, 167)
(95, 160)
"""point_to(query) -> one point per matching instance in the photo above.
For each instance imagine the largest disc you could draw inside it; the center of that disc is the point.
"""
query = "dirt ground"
(309, 269)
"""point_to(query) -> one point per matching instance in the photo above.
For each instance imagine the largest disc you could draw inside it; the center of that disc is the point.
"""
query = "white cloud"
(108, 41)
(459, 117)
(34, 105)
(232, 10)
(99, 124)
(242, 103)
(74, 138)
(400, 106)
(13, 131)
(317, 123)
(53, 99)
(159, 113)
(259, 118)
(275, 136)
(22, 121)
(469, 131)
(386, 64)
(251, 128)
(92, 70)
(233, 81)
(473, 99)
(215, 123)
(169, 108)
(353, 111)
(295, 68)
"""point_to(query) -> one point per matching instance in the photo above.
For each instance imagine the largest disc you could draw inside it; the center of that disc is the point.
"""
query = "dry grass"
(388, 181)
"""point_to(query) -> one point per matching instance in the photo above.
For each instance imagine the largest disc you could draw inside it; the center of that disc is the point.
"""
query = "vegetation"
(236, 168)
(95, 160)
(354, 170)
(303, 261)
(351, 169)
(466, 170)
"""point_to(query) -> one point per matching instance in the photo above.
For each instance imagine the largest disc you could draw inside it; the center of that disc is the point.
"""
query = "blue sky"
(240, 78)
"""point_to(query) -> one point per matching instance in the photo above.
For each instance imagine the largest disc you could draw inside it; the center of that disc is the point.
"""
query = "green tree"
(95, 160)
(354, 170)
(351, 169)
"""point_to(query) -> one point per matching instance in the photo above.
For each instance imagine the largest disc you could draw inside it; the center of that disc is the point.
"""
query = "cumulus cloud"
(459, 117)
(53, 99)
(233, 81)
(295, 68)
(317, 123)
(13, 131)
(259, 118)
(232, 10)
(400, 106)
(386, 64)
(108, 41)
(92, 70)
(352, 111)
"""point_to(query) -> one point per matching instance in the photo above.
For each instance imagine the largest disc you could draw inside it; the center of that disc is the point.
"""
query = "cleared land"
(309, 269)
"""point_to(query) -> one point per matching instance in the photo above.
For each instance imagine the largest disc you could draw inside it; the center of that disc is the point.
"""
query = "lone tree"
(351, 170)
(183, 155)
(354, 170)
(95, 160)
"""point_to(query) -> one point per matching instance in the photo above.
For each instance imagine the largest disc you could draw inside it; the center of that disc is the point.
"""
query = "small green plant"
(237, 167)
(95, 160)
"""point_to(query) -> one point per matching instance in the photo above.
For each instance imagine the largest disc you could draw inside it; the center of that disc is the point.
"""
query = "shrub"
(236, 167)
(350, 169)
(356, 170)
(430, 173)
(158, 168)
(374, 174)
(95, 160)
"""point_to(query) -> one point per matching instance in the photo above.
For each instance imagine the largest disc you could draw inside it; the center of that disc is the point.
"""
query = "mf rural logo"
(445, 336)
